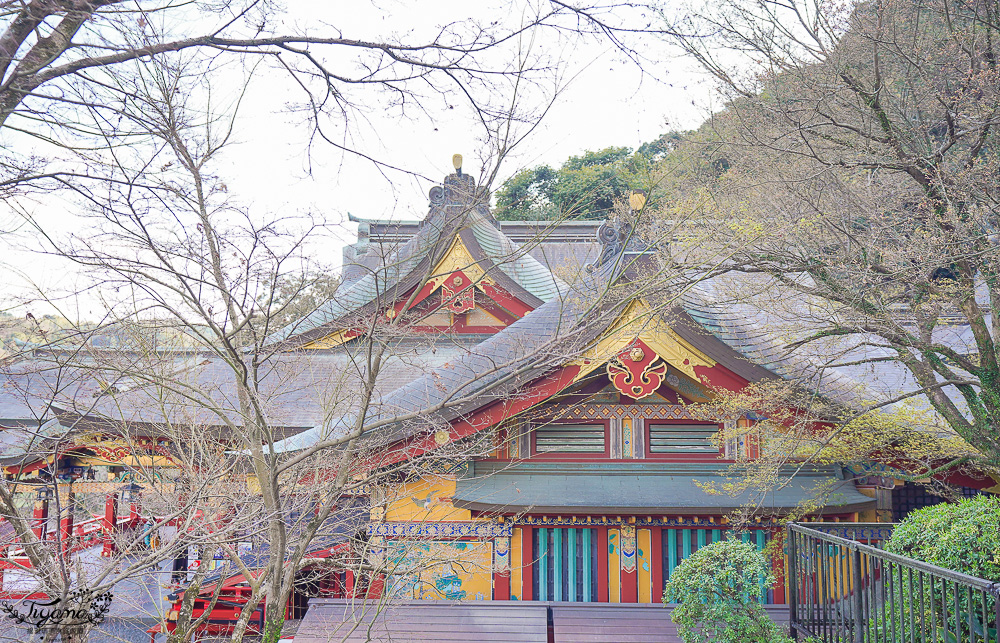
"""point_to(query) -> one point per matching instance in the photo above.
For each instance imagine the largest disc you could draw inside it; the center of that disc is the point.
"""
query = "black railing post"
(883, 602)
(996, 607)
(793, 583)
(859, 603)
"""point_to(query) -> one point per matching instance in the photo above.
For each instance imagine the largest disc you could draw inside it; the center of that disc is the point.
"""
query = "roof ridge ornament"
(459, 190)
(617, 238)
(617, 234)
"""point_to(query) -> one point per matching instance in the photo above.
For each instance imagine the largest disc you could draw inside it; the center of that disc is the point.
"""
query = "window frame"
(717, 454)
(570, 455)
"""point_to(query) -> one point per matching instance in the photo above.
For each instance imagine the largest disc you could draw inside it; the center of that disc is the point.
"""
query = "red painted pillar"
(501, 585)
(602, 565)
(66, 524)
(778, 567)
(66, 532)
(656, 560)
(349, 584)
(376, 587)
(109, 523)
(629, 587)
(629, 564)
(40, 514)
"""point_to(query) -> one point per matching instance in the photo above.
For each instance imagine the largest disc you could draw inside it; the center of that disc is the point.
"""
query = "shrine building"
(593, 484)
(538, 410)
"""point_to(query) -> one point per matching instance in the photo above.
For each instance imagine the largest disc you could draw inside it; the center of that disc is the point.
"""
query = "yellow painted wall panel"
(428, 500)
(614, 566)
(516, 556)
(644, 559)
(442, 570)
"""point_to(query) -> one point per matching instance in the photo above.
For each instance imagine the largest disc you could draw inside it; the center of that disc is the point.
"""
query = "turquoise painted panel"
(557, 564)
(571, 552)
(543, 565)
(671, 551)
(679, 544)
(761, 542)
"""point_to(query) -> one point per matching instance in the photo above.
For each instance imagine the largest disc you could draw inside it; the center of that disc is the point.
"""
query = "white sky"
(609, 102)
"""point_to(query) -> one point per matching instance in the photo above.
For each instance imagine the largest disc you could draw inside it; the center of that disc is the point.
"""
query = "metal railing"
(845, 591)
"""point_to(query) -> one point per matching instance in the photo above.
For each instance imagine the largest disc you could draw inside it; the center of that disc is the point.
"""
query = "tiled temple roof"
(762, 322)
(494, 369)
(456, 208)
(299, 389)
(723, 317)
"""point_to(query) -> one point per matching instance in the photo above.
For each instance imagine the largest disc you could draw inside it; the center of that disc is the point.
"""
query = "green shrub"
(718, 589)
(963, 536)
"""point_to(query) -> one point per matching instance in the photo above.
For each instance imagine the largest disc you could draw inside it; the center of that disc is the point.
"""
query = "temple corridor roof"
(642, 487)
(298, 389)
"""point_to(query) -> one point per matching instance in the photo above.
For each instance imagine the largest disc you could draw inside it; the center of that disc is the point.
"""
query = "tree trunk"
(274, 622)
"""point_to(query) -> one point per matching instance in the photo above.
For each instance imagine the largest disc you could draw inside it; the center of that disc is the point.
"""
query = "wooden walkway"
(335, 620)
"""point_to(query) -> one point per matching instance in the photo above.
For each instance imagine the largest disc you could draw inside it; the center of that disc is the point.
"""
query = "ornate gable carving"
(637, 371)
(639, 327)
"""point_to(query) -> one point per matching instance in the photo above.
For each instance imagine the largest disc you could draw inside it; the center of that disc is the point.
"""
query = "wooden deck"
(335, 620)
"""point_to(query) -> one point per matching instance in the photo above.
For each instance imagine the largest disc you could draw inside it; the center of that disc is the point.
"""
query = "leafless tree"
(68, 71)
(197, 292)
(92, 533)
(851, 183)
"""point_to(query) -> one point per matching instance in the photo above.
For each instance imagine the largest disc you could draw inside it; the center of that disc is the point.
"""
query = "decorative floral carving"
(443, 529)
(501, 551)
(628, 548)
(458, 302)
(637, 371)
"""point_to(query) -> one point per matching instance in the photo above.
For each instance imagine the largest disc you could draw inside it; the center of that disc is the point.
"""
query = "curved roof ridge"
(533, 343)
(764, 337)
(456, 206)
(512, 259)
(377, 279)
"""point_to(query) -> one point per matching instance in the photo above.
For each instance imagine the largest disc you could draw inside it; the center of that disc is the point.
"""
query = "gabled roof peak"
(459, 211)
